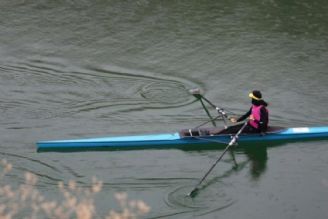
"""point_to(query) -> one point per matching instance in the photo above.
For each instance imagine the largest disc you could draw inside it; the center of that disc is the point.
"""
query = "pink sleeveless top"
(256, 112)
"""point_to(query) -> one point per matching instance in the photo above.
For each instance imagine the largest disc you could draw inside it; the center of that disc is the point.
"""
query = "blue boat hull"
(177, 140)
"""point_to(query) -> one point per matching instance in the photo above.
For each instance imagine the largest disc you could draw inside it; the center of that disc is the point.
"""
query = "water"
(93, 68)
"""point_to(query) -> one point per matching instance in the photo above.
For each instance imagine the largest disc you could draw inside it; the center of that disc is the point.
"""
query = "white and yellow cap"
(256, 95)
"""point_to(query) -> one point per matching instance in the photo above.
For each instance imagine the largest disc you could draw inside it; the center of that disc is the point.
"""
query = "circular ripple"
(166, 92)
(207, 200)
(52, 88)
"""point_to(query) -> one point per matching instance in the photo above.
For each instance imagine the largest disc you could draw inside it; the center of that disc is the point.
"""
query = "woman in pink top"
(258, 116)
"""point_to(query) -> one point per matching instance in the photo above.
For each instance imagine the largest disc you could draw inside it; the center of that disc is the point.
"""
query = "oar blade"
(194, 192)
(196, 92)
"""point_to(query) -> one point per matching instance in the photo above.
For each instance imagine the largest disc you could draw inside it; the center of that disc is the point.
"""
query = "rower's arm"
(245, 116)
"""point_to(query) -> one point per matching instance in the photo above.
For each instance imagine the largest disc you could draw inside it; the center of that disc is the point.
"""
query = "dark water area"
(86, 68)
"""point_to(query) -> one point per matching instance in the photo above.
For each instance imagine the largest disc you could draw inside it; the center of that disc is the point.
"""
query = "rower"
(258, 116)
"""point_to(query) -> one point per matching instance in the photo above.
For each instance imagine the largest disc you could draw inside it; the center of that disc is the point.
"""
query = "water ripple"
(46, 171)
(51, 88)
(209, 200)
(164, 93)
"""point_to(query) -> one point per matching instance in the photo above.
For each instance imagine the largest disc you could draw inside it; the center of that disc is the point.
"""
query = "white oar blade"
(195, 91)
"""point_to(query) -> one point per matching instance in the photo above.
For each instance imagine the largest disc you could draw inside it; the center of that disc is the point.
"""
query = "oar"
(197, 94)
(208, 113)
(232, 142)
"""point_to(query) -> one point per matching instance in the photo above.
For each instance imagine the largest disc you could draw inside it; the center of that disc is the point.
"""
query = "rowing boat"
(184, 138)
(187, 138)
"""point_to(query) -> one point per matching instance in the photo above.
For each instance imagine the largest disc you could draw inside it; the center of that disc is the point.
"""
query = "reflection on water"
(258, 157)
(215, 188)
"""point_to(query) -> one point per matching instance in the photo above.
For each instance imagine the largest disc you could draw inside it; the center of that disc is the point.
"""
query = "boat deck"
(219, 131)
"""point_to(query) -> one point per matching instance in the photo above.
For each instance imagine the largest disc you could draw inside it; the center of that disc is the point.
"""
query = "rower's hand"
(233, 119)
(251, 117)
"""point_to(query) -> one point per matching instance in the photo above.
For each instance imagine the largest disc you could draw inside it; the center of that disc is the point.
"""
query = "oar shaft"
(204, 123)
(209, 102)
(207, 112)
(218, 109)
(232, 142)
(212, 167)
